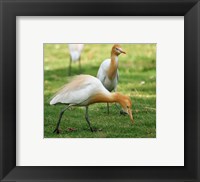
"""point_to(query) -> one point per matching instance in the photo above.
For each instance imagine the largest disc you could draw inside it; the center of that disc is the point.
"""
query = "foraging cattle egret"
(85, 90)
(75, 54)
(108, 70)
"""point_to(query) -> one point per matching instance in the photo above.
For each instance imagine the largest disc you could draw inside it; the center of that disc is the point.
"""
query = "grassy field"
(137, 71)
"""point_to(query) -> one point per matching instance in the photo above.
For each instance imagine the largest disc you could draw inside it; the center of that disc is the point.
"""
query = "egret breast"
(75, 55)
(110, 85)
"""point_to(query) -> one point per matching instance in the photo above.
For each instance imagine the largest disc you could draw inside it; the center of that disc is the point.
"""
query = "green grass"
(137, 72)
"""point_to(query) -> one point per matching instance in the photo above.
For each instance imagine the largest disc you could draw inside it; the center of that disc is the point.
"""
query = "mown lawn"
(137, 70)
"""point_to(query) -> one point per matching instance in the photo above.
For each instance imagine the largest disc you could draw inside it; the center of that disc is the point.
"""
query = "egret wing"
(102, 72)
(77, 91)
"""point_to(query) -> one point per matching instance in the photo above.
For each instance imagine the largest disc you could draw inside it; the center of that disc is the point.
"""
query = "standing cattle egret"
(75, 54)
(84, 90)
(108, 70)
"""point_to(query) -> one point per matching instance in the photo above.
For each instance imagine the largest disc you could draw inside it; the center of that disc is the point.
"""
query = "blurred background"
(137, 78)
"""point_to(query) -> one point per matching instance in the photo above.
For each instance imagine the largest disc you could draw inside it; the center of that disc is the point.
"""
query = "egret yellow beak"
(130, 115)
(122, 51)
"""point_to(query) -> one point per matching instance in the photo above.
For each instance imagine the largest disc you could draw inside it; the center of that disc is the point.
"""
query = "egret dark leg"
(59, 120)
(87, 119)
(117, 106)
(108, 109)
(79, 64)
(70, 62)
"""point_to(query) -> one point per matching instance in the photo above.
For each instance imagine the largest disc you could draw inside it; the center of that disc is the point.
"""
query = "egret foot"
(71, 129)
(96, 129)
(57, 131)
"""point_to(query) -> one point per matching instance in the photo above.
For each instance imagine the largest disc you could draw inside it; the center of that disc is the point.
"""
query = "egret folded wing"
(76, 92)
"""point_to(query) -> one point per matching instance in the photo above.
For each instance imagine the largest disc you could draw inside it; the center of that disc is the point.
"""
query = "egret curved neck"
(108, 97)
(113, 67)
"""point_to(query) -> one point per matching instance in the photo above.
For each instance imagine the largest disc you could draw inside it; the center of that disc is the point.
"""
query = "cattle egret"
(108, 70)
(75, 54)
(85, 90)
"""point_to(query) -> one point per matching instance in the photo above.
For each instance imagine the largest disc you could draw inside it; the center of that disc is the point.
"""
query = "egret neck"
(107, 97)
(113, 66)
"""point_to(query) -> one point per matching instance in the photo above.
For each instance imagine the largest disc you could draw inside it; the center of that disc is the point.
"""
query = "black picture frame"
(9, 9)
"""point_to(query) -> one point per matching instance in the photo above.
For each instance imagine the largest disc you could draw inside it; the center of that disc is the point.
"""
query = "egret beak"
(122, 51)
(130, 115)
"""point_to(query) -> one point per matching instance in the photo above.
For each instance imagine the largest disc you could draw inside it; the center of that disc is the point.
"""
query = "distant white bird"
(85, 90)
(108, 70)
(75, 54)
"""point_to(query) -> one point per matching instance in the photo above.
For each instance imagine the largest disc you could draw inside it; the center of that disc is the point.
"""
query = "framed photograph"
(99, 90)
(128, 73)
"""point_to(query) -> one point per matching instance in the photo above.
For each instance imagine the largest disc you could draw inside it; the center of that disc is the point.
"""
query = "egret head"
(117, 50)
(126, 105)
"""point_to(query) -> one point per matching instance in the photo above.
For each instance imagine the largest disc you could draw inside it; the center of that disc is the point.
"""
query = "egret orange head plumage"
(117, 50)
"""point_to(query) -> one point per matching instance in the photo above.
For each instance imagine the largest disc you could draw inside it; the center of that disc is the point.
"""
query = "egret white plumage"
(75, 54)
(85, 90)
(108, 70)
